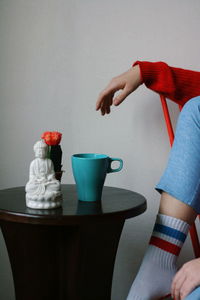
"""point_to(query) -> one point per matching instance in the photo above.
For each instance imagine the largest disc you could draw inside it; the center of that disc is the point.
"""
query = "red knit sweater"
(176, 84)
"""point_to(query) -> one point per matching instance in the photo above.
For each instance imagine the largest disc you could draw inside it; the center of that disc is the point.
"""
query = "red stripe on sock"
(164, 245)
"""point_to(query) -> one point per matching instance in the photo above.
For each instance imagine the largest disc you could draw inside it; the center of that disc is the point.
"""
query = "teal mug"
(89, 172)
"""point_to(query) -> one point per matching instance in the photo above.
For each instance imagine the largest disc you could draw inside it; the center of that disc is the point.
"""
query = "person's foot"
(158, 267)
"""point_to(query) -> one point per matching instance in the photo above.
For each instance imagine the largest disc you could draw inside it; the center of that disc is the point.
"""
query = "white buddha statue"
(42, 189)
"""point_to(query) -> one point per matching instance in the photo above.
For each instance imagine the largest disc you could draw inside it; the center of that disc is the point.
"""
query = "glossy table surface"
(115, 201)
(66, 253)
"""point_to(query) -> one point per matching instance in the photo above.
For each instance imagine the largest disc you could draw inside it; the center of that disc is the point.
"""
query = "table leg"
(98, 250)
(62, 262)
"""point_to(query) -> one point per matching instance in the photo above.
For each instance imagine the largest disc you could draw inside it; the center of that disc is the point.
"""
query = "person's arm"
(186, 279)
(176, 84)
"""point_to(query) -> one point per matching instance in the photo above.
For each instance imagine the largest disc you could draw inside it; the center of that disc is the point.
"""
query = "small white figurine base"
(44, 202)
(42, 189)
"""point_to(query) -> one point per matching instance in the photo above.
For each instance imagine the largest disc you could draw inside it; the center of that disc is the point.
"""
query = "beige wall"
(55, 57)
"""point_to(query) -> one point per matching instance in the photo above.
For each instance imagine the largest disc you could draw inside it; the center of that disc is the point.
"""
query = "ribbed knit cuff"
(173, 222)
(168, 237)
(151, 71)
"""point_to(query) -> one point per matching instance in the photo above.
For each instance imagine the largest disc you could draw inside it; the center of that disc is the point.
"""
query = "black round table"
(69, 252)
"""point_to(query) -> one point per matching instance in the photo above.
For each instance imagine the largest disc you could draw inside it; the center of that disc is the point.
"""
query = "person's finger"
(107, 109)
(110, 100)
(177, 284)
(108, 91)
(99, 101)
(187, 288)
(103, 106)
(103, 96)
(122, 96)
(106, 103)
(103, 110)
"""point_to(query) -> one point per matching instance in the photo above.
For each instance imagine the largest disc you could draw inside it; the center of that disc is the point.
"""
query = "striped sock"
(159, 263)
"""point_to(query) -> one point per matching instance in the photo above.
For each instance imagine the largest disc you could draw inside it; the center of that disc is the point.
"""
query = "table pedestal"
(66, 253)
(62, 262)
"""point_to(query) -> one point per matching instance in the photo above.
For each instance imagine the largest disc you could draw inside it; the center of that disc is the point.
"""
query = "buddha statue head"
(40, 149)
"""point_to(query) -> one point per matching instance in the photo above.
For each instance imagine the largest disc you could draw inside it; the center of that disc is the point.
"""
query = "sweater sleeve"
(176, 84)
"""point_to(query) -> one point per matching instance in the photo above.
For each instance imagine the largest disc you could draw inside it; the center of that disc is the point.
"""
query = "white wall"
(55, 57)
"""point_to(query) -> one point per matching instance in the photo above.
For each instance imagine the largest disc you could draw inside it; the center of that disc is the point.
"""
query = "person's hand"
(186, 279)
(126, 82)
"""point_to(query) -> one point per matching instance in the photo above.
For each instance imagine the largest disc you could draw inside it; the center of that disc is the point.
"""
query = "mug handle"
(110, 170)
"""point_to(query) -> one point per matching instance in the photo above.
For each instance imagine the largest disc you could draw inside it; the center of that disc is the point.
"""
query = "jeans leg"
(194, 295)
(181, 178)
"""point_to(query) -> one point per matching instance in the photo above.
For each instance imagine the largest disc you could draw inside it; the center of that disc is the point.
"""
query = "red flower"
(52, 138)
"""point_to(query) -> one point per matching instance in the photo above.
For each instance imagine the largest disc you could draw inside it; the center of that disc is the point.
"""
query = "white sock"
(159, 263)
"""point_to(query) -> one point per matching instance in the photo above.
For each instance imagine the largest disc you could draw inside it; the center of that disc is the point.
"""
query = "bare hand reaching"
(186, 279)
(126, 82)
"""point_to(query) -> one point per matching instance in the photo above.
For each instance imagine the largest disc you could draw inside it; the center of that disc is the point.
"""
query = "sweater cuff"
(150, 71)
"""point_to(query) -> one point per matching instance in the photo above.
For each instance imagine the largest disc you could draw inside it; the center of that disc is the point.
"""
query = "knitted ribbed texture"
(159, 264)
(177, 84)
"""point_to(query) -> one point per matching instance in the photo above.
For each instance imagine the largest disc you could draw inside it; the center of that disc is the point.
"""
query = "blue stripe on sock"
(170, 232)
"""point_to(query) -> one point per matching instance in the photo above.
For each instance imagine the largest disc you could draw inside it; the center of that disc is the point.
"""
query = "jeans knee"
(192, 108)
(193, 104)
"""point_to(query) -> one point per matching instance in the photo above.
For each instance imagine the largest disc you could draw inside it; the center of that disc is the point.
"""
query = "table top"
(116, 203)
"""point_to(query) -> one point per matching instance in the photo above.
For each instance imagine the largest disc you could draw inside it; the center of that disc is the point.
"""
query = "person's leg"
(180, 189)
(175, 208)
(159, 263)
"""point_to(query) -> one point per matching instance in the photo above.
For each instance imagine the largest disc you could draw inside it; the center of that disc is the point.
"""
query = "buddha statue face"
(40, 149)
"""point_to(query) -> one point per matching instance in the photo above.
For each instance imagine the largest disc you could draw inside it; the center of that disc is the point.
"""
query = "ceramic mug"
(90, 170)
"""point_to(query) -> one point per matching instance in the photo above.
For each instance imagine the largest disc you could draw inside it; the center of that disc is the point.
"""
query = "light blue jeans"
(195, 295)
(181, 178)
